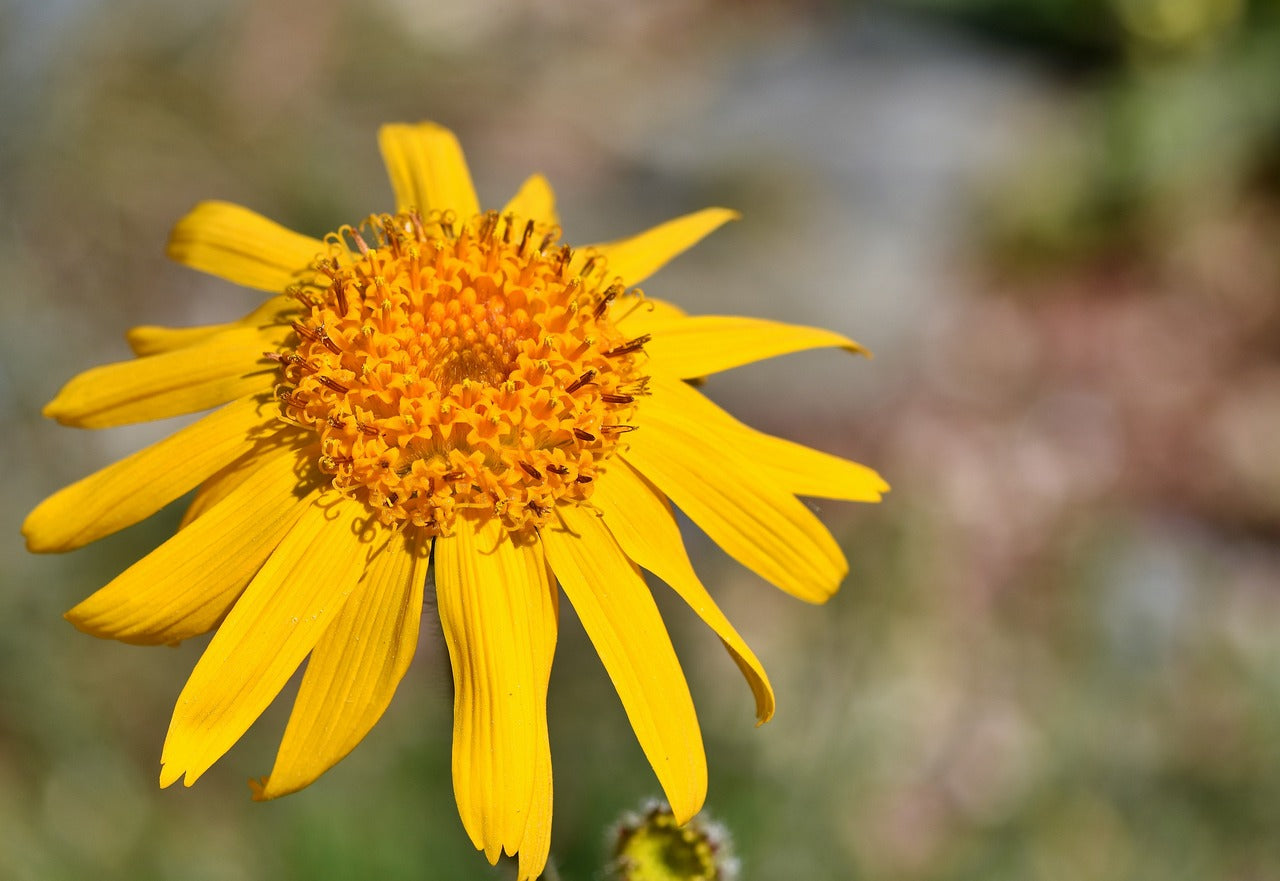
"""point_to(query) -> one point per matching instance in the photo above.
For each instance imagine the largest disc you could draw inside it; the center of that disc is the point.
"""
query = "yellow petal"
(635, 316)
(151, 339)
(537, 832)
(622, 621)
(706, 344)
(243, 247)
(221, 484)
(748, 512)
(498, 611)
(276, 623)
(355, 668)
(226, 366)
(428, 170)
(184, 587)
(635, 259)
(801, 470)
(535, 200)
(136, 487)
(640, 519)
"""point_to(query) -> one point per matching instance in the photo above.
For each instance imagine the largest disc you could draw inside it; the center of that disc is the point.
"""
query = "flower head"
(450, 387)
(652, 846)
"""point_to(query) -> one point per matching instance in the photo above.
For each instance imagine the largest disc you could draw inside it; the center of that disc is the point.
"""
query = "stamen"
(360, 243)
(629, 347)
(580, 381)
(609, 296)
(330, 382)
(328, 342)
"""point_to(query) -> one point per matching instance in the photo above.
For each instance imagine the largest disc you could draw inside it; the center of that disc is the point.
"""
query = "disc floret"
(452, 367)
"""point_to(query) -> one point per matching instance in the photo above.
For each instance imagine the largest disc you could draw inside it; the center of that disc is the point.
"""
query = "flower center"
(474, 368)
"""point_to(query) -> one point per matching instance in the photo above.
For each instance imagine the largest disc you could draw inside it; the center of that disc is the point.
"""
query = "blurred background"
(1055, 222)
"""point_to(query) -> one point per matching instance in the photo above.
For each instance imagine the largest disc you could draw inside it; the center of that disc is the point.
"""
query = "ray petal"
(621, 619)
(635, 316)
(355, 668)
(428, 170)
(801, 470)
(184, 587)
(243, 247)
(635, 259)
(276, 623)
(134, 488)
(226, 366)
(535, 200)
(640, 519)
(498, 611)
(749, 513)
(704, 344)
(152, 339)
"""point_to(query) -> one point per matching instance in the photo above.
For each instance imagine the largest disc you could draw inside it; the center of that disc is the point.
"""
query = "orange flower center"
(471, 369)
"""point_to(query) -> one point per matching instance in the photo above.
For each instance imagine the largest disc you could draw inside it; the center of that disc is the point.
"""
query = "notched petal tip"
(877, 485)
(170, 772)
(259, 791)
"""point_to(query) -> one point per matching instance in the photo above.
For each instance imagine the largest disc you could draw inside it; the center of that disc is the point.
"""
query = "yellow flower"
(440, 380)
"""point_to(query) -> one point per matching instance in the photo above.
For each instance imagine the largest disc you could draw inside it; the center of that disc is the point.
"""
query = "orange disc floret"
(475, 369)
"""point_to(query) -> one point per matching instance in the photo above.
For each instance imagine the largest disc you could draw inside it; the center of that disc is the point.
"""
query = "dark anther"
(531, 471)
(335, 422)
(370, 430)
(360, 243)
(330, 383)
(340, 294)
(558, 469)
(453, 475)
(583, 435)
(524, 239)
(617, 429)
(286, 395)
(617, 399)
(582, 478)
(580, 381)
(609, 296)
(305, 332)
(328, 343)
(630, 346)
